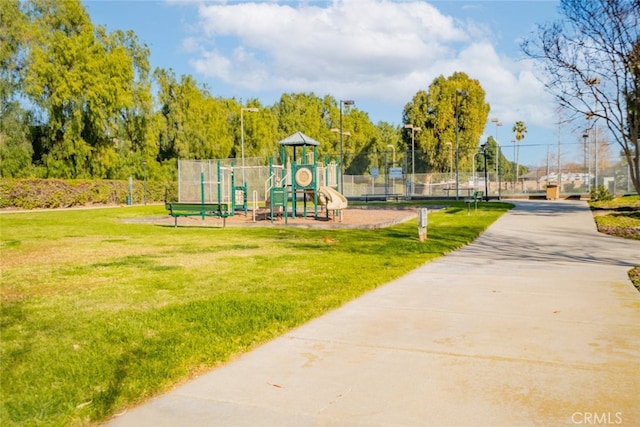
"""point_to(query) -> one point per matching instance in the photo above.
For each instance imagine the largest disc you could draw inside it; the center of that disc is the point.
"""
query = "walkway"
(535, 323)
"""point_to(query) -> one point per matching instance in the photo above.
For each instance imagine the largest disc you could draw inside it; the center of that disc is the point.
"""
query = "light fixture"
(343, 102)
(464, 94)
(414, 129)
(242, 110)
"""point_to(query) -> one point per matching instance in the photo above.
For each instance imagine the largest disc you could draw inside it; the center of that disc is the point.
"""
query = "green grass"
(626, 202)
(98, 315)
(622, 217)
(622, 220)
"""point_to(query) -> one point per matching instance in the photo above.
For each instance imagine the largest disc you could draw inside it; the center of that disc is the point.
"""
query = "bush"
(59, 193)
(600, 193)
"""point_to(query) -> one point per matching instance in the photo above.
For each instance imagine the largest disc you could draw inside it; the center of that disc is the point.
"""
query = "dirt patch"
(365, 218)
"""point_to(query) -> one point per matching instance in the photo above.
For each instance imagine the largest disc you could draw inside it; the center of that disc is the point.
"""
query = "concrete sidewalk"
(534, 324)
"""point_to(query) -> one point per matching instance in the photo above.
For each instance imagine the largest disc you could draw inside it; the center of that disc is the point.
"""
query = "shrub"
(600, 193)
(59, 193)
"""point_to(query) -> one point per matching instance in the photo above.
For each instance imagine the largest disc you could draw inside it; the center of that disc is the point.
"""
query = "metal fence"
(406, 178)
(206, 181)
(570, 182)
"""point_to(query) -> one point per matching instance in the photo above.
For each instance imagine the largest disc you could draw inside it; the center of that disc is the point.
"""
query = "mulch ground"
(364, 218)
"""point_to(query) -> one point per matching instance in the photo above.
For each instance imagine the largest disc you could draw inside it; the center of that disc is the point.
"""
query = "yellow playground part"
(331, 199)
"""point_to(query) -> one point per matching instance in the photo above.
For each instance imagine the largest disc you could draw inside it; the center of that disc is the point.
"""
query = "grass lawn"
(621, 218)
(98, 315)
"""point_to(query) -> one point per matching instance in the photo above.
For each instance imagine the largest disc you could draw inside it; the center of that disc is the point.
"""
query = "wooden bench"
(477, 195)
(219, 210)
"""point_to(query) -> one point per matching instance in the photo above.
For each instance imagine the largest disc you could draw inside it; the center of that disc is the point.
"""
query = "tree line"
(77, 101)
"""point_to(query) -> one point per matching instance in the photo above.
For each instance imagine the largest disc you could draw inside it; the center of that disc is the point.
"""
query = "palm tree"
(519, 128)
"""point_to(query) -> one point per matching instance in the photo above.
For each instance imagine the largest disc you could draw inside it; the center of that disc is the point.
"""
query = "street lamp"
(587, 163)
(393, 154)
(515, 160)
(593, 84)
(393, 165)
(486, 175)
(595, 157)
(498, 123)
(347, 133)
(242, 110)
(414, 129)
(342, 102)
(464, 94)
(450, 145)
(144, 165)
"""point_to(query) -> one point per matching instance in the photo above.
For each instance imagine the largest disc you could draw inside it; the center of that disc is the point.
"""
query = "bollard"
(423, 221)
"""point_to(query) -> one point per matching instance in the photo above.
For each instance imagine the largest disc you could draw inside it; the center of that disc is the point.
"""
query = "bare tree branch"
(591, 63)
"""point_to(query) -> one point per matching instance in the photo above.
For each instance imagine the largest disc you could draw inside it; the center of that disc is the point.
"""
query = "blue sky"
(379, 53)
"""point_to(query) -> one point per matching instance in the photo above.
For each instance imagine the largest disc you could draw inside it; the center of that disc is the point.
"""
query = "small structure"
(303, 177)
(303, 169)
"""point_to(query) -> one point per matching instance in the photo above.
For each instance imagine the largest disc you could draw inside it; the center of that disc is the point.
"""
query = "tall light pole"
(587, 169)
(336, 130)
(515, 172)
(463, 94)
(450, 145)
(242, 110)
(498, 124)
(486, 177)
(593, 84)
(393, 154)
(393, 164)
(342, 102)
(595, 156)
(144, 164)
(414, 129)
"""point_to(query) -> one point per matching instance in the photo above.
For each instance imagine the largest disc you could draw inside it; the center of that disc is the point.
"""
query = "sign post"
(393, 174)
(423, 221)
(374, 174)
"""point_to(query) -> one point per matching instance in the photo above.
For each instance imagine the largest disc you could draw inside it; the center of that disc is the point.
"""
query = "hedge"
(59, 193)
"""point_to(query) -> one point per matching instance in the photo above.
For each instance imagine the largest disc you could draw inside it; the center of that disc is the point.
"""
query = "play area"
(302, 188)
(352, 218)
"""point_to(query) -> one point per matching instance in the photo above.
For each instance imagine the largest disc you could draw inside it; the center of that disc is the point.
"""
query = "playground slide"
(332, 199)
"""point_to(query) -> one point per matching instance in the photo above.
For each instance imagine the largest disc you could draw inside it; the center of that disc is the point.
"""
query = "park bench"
(474, 198)
(382, 197)
(219, 210)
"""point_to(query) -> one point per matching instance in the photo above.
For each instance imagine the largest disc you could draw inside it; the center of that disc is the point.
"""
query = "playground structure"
(208, 187)
(303, 178)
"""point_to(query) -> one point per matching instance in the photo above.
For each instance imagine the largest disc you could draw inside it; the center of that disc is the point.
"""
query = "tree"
(78, 78)
(495, 155)
(12, 35)
(16, 150)
(193, 124)
(260, 132)
(519, 129)
(317, 116)
(591, 63)
(386, 142)
(304, 112)
(135, 125)
(435, 113)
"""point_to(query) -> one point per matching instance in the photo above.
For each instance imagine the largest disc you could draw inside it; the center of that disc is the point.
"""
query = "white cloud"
(374, 50)
(368, 41)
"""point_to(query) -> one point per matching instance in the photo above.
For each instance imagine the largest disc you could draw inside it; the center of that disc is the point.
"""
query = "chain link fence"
(401, 175)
